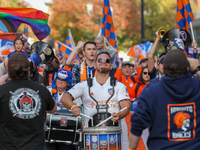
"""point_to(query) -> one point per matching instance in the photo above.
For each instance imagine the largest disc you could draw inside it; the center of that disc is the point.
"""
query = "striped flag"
(184, 17)
(25, 30)
(184, 14)
(107, 25)
(140, 49)
(69, 40)
(67, 50)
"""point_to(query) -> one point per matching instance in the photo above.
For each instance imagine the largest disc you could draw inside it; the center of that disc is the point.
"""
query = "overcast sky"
(39, 4)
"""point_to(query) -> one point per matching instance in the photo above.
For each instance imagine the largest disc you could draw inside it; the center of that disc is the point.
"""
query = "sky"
(39, 4)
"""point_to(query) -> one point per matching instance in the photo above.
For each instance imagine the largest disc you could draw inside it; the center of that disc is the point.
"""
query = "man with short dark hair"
(170, 108)
(86, 68)
(23, 105)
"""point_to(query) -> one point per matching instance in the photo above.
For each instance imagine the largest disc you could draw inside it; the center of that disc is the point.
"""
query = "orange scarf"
(83, 72)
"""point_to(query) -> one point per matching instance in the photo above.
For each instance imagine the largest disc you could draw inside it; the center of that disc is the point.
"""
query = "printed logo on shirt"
(131, 84)
(181, 121)
(110, 91)
(91, 93)
(110, 103)
(25, 103)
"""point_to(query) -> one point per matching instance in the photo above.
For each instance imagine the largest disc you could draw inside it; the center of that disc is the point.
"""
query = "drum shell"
(102, 138)
(59, 131)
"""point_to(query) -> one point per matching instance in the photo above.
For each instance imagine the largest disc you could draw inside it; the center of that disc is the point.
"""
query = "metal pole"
(142, 22)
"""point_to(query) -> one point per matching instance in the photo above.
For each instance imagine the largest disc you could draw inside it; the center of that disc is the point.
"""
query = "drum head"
(106, 129)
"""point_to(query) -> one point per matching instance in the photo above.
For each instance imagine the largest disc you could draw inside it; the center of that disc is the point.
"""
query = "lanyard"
(57, 97)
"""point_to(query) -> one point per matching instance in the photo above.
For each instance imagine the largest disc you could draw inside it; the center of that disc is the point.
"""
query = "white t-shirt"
(101, 93)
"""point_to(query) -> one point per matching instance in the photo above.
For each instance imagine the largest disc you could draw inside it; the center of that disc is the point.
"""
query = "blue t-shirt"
(15, 52)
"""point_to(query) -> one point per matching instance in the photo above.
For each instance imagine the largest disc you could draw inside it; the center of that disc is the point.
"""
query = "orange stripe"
(128, 122)
(25, 12)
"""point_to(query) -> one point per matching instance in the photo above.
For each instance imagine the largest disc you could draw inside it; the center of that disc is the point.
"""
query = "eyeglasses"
(145, 73)
(100, 60)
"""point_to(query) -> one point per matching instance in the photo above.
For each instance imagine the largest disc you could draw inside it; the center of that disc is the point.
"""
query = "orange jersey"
(128, 82)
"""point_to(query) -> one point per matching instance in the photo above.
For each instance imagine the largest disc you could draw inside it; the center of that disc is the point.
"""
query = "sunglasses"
(100, 60)
(145, 73)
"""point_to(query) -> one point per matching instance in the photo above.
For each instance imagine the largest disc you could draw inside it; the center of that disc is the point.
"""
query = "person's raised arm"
(195, 52)
(194, 66)
(63, 60)
(152, 52)
(71, 56)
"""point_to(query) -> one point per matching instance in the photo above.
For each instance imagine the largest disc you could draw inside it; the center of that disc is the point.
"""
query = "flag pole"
(71, 38)
(65, 46)
(191, 27)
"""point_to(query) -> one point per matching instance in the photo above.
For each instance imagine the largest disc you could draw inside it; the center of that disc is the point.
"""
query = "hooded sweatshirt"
(171, 110)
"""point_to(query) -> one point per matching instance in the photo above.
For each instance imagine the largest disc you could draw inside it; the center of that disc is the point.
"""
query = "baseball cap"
(161, 60)
(143, 60)
(126, 63)
(176, 60)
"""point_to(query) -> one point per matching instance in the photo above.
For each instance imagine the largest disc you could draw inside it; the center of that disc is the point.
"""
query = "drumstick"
(111, 117)
(86, 116)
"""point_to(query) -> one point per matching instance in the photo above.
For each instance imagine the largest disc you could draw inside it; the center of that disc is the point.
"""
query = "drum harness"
(102, 106)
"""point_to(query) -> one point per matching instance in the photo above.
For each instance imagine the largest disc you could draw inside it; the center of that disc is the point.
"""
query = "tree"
(126, 14)
(73, 15)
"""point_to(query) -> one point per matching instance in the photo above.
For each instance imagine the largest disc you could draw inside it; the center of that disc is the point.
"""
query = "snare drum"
(102, 138)
(62, 126)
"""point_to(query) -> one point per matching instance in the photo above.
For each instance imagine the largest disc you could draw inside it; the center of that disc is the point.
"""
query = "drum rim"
(107, 129)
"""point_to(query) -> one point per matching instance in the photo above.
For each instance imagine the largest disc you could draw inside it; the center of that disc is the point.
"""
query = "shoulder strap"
(137, 88)
(113, 81)
(133, 79)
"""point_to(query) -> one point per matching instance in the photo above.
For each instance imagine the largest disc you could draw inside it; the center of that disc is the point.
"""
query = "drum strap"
(112, 83)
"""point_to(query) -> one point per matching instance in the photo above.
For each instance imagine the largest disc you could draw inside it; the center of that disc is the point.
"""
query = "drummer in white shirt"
(101, 90)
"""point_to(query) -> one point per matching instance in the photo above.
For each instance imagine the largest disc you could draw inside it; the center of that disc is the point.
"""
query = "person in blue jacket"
(170, 108)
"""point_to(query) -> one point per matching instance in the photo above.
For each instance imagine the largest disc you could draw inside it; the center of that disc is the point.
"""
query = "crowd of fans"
(61, 74)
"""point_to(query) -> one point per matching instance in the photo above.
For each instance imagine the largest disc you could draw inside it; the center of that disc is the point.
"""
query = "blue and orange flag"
(68, 47)
(184, 17)
(140, 49)
(184, 14)
(69, 40)
(25, 30)
(107, 25)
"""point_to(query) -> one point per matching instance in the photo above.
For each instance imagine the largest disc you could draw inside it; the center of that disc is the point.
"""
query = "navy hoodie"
(171, 110)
